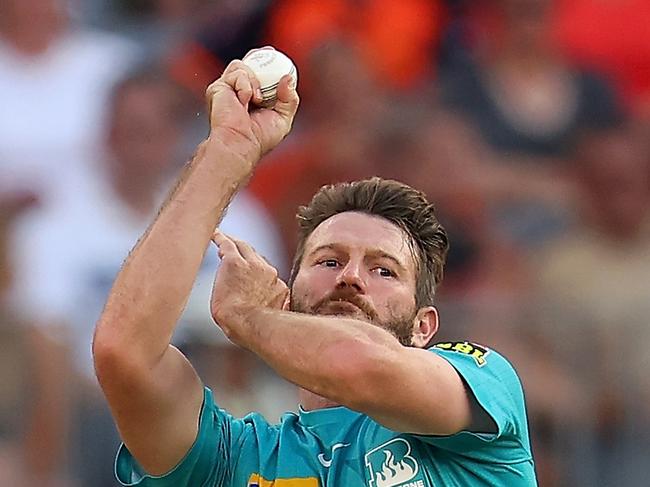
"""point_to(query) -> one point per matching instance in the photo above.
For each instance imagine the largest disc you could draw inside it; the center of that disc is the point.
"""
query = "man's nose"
(352, 276)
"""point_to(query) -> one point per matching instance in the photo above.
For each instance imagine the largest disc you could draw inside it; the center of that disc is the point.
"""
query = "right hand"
(246, 130)
(244, 282)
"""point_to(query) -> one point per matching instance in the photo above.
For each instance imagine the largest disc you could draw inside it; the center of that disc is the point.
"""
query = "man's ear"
(425, 326)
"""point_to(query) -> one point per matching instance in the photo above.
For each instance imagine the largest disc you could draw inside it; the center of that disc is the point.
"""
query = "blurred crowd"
(527, 122)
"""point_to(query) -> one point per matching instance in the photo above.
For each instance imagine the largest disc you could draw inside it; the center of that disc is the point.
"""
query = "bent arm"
(153, 391)
(363, 367)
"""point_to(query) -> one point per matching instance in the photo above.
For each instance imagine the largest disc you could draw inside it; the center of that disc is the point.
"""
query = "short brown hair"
(398, 203)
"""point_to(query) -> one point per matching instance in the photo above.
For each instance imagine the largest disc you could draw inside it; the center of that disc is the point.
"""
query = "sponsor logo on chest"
(392, 465)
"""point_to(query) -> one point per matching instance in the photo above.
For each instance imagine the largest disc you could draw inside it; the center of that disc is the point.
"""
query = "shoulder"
(470, 353)
(487, 373)
(493, 382)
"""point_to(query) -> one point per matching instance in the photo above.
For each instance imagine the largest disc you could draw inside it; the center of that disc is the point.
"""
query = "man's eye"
(384, 272)
(329, 263)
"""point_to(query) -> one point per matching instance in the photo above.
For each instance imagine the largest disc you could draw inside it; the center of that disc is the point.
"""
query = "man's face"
(359, 266)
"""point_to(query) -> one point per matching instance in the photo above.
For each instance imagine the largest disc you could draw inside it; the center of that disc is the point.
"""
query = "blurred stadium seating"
(527, 122)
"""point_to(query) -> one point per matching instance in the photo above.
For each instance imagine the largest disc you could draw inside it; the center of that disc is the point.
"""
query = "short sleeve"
(206, 463)
(495, 385)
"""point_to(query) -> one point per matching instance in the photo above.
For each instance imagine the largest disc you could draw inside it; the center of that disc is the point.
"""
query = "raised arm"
(153, 392)
(348, 361)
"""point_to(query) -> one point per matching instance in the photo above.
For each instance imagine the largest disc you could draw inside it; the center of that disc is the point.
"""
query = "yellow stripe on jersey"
(256, 480)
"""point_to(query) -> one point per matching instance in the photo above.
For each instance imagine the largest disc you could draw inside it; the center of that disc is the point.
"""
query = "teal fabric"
(338, 447)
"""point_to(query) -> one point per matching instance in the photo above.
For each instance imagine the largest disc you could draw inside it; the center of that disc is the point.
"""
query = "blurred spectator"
(612, 37)
(67, 256)
(194, 38)
(227, 32)
(12, 205)
(594, 285)
(525, 99)
(396, 41)
(32, 426)
(507, 78)
(338, 90)
(441, 152)
(15, 366)
(54, 80)
(241, 381)
(127, 15)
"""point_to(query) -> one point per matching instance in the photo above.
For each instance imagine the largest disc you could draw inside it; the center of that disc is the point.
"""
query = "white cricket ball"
(269, 66)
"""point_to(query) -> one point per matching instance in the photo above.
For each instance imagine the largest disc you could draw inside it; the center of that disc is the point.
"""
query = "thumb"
(286, 306)
(287, 98)
(281, 301)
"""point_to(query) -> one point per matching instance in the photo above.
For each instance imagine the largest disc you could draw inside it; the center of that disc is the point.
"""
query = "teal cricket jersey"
(338, 447)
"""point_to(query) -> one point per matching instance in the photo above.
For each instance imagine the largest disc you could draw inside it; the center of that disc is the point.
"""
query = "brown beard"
(401, 327)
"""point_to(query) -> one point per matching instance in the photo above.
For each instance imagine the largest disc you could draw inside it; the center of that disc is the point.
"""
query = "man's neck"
(310, 401)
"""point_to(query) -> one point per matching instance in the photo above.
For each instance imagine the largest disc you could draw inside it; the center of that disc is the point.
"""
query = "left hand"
(245, 281)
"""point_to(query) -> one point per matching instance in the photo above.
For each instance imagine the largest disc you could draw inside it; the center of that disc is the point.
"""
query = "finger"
(255, 83)
(218, 85)
(237, 78)
(220, 89)
(210, 92)
(288, 99)
(246, 251)
(237, 65)
(227, 248)
(252, 257)
(241, 83)
(281, 298)
(286, 304)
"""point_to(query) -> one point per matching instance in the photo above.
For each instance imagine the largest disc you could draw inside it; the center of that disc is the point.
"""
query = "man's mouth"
(341, 307)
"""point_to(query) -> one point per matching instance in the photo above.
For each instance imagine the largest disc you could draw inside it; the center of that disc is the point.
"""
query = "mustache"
(349, 297)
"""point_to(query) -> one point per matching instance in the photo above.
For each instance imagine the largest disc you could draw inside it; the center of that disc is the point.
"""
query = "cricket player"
(380, 406)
